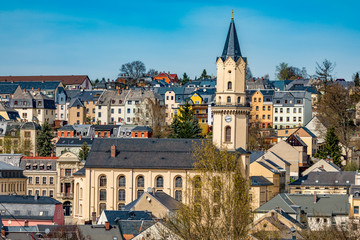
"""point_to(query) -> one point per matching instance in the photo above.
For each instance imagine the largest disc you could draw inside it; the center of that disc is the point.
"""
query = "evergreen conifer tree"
(185, 125)
(44, 141)
(84, 151)
(357, 80)
(331, 147)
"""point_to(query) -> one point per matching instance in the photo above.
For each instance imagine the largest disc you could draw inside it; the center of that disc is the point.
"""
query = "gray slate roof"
(342, 178)
(66, 142)
(142, 153)
(114, 216)
(232, 46)
(260, 181)
(5, 166)
(27, 199)
(326, 205)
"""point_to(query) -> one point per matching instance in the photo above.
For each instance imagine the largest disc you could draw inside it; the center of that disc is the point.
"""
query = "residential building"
(354, 199)
(141, 132)
(296, 142)
(159, 203)
(297, 157)
(318, 129)
(8, 114)
(261, 103)
(324, 183)
(291, 109)
(41, 175)
(315, 211)
(74, 130)
(34, 106)
(62, 103)
(72, 144)
(69, 81)
(77, 112)
(270, 172)
(24, 210)
(279, 223)
(261, 191)
(67, 164)
(7, 91)
(12, 180)
(167, 77)
(322, 166)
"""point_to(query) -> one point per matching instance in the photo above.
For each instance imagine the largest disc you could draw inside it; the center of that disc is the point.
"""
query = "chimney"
(107, 226)
(52, 154)
(32, 88)
(80, 137)
(31, 154)
(38, 89)
(315, 198)
(113, 151)
(36, 154)
(262, 78)
(91, 137)
(3, 232)
(26, 223)
(253, 79)
(119, 91)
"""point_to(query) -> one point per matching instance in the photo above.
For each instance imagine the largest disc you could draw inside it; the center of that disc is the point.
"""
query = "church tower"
(230, 114)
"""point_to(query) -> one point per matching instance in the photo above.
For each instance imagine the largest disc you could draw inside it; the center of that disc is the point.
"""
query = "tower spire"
(232, 46)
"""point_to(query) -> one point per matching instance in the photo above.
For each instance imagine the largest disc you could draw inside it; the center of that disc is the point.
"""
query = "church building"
(120, 170)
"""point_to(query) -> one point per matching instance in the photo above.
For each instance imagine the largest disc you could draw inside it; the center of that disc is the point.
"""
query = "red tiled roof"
(67, 79)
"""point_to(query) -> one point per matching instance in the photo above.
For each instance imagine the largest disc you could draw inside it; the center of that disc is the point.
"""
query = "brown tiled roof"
(67, 80)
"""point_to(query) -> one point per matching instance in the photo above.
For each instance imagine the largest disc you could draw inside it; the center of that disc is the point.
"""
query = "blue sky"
(95, 38)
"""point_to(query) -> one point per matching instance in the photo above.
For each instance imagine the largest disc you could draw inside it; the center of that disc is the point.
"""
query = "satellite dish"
(47, 231)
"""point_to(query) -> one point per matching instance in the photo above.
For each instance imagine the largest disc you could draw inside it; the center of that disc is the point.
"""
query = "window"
(229, 99)
(129, 102)
(30, 192)
(288, 119)
(294, 118)
(263, 108)
(269, 108)
(281, 110)
(257, 108)
(78, 114)
(259, 99)
(102, 195)
(102, 181)
(178, 182)
(254, 99)
(51, 180)
(356, 209)
(102, 207)
(159, 182)
(122, 195)
(51, 193)
(268, 116)
(44, 181)
(276, 110)
(119, 110)
(278, 101)
(287, 110)
(140, 181)
(276, 119)
(27, 134)
(229, 85)
(286, 101)
(139, 193)
(281, 119)
(294, 110)
(99, 114)
(44, 192)
(299, 119)
(128, 110)
(227, 134)
(122, 181)
(300, 110)
(263, 116)
(178, 195)
(68, 172)
(37, 180)
(298, 101)
(30, 180)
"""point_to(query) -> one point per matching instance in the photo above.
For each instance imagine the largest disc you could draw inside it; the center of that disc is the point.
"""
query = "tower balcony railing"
(232, 104)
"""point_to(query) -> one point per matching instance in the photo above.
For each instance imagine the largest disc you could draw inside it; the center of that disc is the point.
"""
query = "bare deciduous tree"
(134, 70)
(216, 200)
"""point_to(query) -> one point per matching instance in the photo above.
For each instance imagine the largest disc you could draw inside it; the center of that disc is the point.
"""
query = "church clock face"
(228, 118)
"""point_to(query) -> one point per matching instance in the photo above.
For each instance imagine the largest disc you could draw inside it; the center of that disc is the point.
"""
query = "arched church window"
(238, 100)
(229, 85)
(228, 134)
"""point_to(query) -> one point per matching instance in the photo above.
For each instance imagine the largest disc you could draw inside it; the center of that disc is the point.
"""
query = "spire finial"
(232, 14)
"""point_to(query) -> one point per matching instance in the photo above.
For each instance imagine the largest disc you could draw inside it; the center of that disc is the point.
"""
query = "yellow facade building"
(261, 108)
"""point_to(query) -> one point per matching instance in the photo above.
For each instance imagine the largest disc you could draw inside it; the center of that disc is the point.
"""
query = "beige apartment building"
(261, 191)
(12, 180)
(77, 112)
(41, 175)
